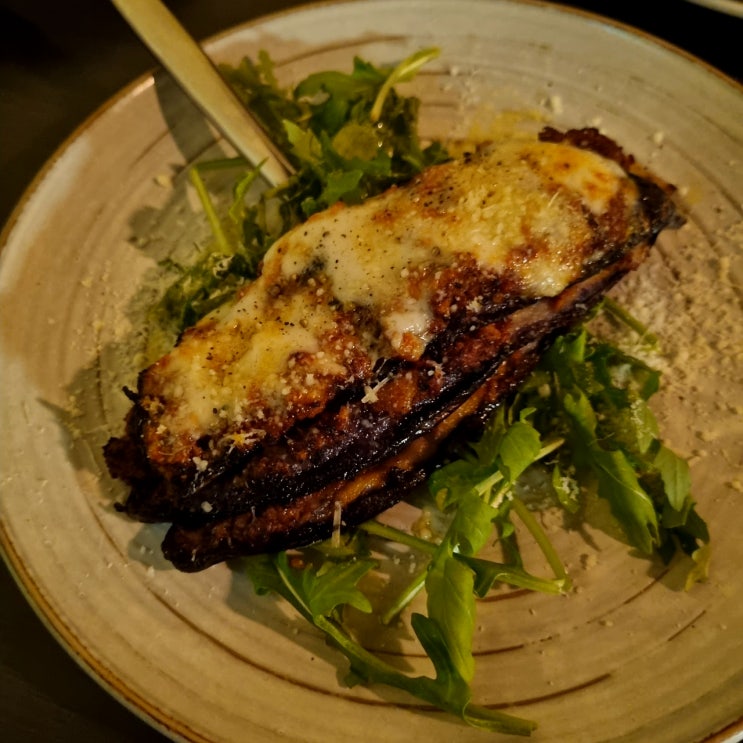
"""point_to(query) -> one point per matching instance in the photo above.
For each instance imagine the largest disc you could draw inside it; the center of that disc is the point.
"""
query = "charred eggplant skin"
(488, 258)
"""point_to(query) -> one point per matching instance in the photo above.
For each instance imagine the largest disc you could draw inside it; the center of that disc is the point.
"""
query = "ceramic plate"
(731, 7)
(629, 655)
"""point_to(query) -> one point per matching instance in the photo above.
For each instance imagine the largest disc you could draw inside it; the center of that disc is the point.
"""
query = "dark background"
(60, 61)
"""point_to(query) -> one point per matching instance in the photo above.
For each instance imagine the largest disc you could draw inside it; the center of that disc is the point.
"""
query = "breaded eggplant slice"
(368, 328)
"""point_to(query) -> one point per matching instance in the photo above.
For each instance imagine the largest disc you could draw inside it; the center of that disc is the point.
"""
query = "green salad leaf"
(596, 397)
(319, 593)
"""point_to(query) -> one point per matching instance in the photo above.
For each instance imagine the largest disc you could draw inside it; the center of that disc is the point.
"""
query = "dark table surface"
(59, 61)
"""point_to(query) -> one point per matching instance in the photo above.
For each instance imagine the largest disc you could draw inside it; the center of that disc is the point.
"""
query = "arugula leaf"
(337, 97)
(519, 448)
(451, 692)
(676, 479)
(320, 594)
(488, 573)
(312, 592)
(617, 481)
(596, 397)
(404, 72)
(451, 605)
(304, 145)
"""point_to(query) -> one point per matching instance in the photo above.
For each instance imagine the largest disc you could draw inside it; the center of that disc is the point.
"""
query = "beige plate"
(629, 655)
(731, 7)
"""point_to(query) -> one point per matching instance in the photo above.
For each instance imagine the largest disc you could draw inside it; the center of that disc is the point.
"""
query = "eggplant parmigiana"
(324, 389)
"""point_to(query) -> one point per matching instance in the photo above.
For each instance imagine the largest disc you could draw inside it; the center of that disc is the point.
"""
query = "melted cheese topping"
(354, 283)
